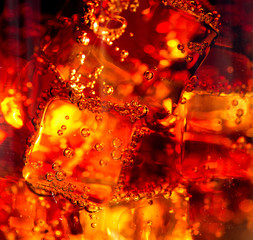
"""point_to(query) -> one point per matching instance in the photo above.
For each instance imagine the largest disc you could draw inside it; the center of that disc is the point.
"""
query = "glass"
(128, 143)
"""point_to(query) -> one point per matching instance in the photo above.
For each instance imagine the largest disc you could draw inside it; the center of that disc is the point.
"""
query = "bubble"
(99, 146)
(99, 117)
(235, 102)
(40, 164)
(103, 163)
(93, 225)
(167, 194)
(56, 166)
(49, 176)
(183, 100)
(190, 45)
(189, 58)
(239, 112)
(58, 233)
(148, 75)
(116, 142)
(180, 46)
(116, 154)
(68, 152)
(91, 208)
(238, 121)
(85, 132)
(124, 54)
(60, 132)
(60, 175)
(149, 222)
(67, 117)
(71, 187)
(108, 90)
(63, 127)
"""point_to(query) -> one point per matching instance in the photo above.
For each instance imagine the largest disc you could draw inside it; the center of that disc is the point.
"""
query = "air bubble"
(235, 102)
(99, 118)
(189, 58)
(108, 90)
(60, 175)
(103, 163)
(180, 47)
(71, 187)
(116, 154)
(183, 100)
(60, 132)
(238, 121)
(93, 225)
(239, 112)
(99, 146)
(148, 75)
(67, 117)
(56, 166)
(49, 176)
(85, 132)
(124, 54)
(116, 142)
(68, 152)
(63, 127)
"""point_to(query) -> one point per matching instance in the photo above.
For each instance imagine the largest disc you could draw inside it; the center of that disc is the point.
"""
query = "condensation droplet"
(49, 176)
(116, 142)
(56, 166)
(85, 132)
(59, 132)
(99, 146)
(63, 127)
(68, 152)
(148, 75)
(116, 154)
(60, 175)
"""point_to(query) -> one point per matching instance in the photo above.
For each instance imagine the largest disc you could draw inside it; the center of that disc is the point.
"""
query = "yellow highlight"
(12, 112)
(173, 43)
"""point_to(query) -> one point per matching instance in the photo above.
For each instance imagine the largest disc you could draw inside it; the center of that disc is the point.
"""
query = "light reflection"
(12, 112)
